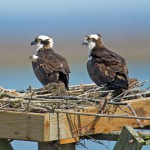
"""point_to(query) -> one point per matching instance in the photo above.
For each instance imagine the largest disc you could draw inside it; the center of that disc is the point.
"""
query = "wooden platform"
(69, 127)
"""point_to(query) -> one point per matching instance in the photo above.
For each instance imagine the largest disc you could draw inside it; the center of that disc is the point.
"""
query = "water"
(21, 78)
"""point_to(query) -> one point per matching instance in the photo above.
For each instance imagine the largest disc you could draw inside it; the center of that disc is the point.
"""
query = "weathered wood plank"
(59, 126)
(54, 146)
(70, 140)
(103, 115)
(129, 140)
(24, 126)
(147, 142)
(144, 135)
(113, 136)
(71, 125)
(5, 145)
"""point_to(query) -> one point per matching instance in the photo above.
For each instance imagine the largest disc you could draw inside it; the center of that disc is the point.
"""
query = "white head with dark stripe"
(92, 41)
(43, 41)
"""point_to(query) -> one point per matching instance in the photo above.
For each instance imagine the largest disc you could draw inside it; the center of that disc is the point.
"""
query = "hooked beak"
(85, 43)
(32, 43)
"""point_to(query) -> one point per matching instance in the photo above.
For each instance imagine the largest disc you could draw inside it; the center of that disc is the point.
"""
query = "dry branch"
(80, 96)
(102, 115)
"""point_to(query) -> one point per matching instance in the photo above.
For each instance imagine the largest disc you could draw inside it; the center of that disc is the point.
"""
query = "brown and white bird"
(48, 66)
(104, 66)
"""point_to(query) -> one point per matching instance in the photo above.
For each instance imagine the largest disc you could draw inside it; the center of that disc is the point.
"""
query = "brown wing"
(64, 62)
(56, 66)
(99, 73)
(51, 68)
(110, 68)
(110, 63)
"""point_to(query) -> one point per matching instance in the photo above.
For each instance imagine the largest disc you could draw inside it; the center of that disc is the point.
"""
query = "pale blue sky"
(25, 17)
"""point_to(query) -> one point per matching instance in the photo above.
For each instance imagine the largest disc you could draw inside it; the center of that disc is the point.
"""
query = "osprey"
(48, 66)
(104, 66)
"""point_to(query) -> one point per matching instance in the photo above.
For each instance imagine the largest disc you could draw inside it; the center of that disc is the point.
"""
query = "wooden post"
(5, 145)
(145, 136)
(129, 140)
(55, 146)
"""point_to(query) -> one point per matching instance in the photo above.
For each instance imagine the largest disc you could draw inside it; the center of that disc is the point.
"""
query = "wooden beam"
(147, 142)
(24, 126)
(103, 115)
(145, 136)
(60, 126)
(129, 140)
(75, 125)
(54, 146)
(113, 136)
(5, 145)
(70, 140)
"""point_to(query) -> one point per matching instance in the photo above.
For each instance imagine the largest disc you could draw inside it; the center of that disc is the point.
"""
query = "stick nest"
(55, 96)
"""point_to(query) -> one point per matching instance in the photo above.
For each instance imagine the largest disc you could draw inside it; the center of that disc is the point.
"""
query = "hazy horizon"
(124, 25)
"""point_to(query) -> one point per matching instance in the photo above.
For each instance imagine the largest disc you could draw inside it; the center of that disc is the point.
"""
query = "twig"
(10, 100)
(130, 107)
(138, 94)
(70, 98)
(83, 86)
(13, 109)
(31, 90)
(83, 145)
(128, 90)
(124, 110)
(5, 105)
(102, 115)
(103, 107)
(96, 141)
(58, 147)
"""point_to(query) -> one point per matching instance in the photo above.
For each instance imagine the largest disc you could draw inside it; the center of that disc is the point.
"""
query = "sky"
(28, 18)
(124, 26)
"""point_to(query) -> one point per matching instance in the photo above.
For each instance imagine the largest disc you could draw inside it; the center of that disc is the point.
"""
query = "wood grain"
(24, 126)
(129, 140)
(60, 126)
(72, 125)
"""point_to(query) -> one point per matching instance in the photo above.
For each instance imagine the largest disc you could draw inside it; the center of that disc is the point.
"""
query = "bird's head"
(92, 41)
(43, 41)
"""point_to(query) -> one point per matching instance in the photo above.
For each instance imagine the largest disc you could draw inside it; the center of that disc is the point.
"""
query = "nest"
(55, 96)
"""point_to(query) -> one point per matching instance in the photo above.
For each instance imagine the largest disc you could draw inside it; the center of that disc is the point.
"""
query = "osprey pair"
(104, 66)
